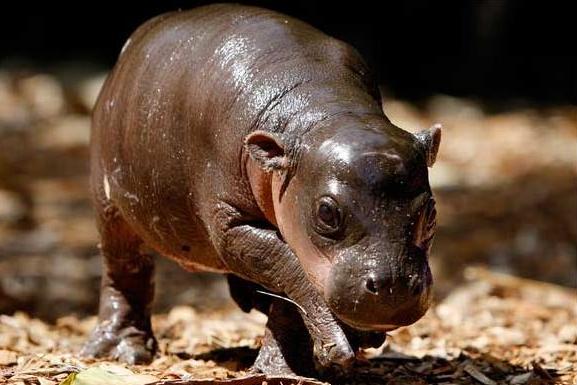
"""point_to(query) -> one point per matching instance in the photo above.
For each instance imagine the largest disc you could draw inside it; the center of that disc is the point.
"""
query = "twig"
(283, 298)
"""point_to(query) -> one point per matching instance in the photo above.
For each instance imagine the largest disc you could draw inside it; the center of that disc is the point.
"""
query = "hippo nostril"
(371, 286)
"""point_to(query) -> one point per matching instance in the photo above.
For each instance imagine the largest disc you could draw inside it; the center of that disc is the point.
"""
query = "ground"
(493, 329)
(505, 184)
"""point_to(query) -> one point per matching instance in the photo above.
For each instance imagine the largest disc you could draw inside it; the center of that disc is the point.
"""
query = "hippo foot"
(128, 344)
(270, 359)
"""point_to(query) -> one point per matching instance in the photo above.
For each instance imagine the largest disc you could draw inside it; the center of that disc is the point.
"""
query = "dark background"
(495, 50)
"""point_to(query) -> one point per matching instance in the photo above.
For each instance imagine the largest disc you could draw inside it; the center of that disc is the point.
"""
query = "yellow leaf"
(100, 376)
(69, 380)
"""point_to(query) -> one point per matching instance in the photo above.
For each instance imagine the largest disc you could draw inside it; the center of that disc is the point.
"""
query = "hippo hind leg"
(124, 330)
(287, 347)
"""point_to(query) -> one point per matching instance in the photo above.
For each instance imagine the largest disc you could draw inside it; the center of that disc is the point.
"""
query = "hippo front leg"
(287, 347)
(259, 255)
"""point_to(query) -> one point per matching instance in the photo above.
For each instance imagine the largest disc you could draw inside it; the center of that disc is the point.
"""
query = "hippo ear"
(430, 140)
(267, 149)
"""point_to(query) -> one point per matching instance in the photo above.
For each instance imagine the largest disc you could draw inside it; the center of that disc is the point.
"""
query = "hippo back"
(169, 124)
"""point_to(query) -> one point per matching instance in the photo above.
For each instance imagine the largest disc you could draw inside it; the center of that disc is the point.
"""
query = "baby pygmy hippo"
(238, 140)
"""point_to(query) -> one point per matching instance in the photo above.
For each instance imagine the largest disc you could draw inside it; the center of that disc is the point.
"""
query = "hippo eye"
(328, 215)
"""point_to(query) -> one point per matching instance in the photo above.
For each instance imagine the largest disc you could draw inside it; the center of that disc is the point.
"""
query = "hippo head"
(355, 205)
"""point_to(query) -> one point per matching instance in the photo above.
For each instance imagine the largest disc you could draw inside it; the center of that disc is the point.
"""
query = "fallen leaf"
(477, 375)
(520, 378)
(101, 376)
(8, 357)
(46, 381)
(69, 380)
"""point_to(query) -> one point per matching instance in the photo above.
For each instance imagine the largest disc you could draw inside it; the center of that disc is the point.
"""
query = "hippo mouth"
(366, 305)
(376, 328)
(370, 322)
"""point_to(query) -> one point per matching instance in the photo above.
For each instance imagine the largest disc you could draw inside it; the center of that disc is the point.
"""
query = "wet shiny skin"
(371, 168)
(213, 139)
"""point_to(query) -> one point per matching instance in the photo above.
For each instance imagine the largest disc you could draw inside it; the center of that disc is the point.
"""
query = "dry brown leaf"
(477, 375)
(46, 381)
(8, 357)
(520, 378)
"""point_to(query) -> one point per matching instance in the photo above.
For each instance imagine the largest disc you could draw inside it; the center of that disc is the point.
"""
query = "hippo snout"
(376, 298)
(412, 285)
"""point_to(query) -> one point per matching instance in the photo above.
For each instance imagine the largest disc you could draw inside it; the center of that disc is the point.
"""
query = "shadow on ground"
(394, 367)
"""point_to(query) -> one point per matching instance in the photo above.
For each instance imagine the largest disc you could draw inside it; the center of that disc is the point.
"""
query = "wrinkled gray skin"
(238, 140)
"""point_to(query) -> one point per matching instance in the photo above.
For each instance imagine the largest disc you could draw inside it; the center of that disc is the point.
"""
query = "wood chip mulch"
(494, 329)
